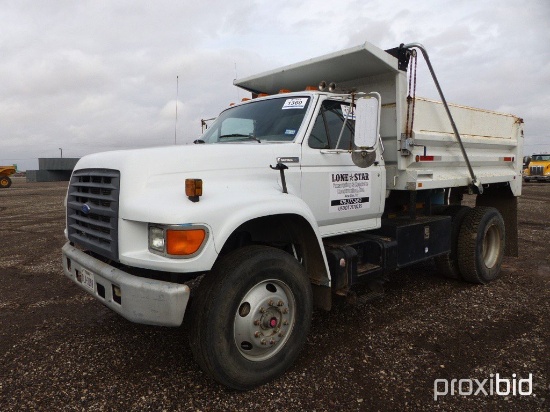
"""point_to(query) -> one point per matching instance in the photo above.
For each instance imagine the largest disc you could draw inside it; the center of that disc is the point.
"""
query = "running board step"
(359, 258)
(373, 291)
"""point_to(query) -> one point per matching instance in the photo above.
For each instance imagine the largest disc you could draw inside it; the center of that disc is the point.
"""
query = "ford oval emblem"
(86, 209)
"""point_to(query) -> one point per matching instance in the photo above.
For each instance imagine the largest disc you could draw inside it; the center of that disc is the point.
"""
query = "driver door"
(342, 196)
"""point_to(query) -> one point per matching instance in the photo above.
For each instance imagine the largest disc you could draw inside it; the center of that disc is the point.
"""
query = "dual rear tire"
(477, 244)
(447, 265)
(481, 245)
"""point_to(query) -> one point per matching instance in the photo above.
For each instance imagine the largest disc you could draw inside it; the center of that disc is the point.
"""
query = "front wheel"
(251, 316)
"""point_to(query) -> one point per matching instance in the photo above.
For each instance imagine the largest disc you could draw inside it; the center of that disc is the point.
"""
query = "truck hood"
(189, 158)
(154, 178)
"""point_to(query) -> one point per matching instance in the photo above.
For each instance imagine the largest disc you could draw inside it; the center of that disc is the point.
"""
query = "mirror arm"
(346, 120)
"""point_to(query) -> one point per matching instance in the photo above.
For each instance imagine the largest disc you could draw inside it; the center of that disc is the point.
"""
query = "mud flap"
(502, 199)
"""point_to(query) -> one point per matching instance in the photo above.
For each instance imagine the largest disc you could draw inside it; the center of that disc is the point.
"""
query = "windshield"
(261, 120)
(541, 157)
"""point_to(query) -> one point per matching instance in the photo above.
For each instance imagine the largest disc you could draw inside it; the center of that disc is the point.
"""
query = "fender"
(229, 200)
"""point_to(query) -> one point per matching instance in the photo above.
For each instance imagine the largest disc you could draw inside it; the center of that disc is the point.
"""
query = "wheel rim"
(264, 320)
(491, 246)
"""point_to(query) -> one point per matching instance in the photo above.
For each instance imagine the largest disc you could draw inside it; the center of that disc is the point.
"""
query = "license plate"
(88, 279)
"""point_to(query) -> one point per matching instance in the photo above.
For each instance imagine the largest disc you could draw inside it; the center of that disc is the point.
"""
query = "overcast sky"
(90, 76)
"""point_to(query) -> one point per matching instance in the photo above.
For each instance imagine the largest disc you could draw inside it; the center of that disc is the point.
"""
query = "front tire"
(251, 317)
(481, 245)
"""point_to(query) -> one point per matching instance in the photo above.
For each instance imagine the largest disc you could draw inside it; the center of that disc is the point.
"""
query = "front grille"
(536, 170)
(92, 210)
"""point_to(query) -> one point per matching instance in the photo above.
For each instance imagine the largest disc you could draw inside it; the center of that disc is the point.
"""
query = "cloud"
(91, 76)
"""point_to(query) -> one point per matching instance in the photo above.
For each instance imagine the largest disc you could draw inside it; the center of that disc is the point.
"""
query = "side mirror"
(366, 122)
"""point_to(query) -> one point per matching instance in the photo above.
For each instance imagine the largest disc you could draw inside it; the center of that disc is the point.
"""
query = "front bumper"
(536, 178)
(141, 300)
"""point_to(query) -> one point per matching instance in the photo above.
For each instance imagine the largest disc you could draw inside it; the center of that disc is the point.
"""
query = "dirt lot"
(60, 349)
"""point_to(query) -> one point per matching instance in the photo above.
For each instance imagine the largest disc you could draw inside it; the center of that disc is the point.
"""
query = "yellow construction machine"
(5, 173)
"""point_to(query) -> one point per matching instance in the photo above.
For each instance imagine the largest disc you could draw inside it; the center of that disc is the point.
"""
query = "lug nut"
(282, 334)
(271, 342)
(263, 342)
(285, 311)
(285, 322)
(257, 322)
(270, 303)
(257, 334)
(280, 303)
(262, 310)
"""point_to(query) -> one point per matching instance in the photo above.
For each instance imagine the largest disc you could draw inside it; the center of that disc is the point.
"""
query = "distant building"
(52, 170)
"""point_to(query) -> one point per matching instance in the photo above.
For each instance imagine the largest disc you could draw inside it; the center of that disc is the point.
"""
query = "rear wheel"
(5, 181)
(251, 317)
(447, 265)
(481, 245)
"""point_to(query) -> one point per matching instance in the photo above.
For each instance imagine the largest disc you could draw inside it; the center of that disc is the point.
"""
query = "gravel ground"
(62, 350)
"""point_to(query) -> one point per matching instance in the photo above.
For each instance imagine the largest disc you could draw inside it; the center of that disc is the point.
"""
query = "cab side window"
(328, 126)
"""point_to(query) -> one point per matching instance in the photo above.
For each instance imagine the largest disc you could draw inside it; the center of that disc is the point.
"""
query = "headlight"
(156, 239)
(177, 241)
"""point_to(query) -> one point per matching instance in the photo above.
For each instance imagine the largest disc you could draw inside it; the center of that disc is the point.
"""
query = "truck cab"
(313, 135)
(538, 168)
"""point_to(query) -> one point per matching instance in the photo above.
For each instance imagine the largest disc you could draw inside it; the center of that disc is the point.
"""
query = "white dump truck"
(332, 175)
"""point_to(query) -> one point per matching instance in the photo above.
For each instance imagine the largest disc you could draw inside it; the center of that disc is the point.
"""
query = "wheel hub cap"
(264, 319)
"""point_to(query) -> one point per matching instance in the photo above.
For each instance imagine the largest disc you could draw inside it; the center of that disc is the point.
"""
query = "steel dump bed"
(493, 143)
(432, 157)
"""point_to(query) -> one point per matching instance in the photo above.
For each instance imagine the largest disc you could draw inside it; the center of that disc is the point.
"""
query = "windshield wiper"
(239, 135)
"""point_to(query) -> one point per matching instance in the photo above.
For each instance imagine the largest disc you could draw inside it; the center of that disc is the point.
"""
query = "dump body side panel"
(493, 142)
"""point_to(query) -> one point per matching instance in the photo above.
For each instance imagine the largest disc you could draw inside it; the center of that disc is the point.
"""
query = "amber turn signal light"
(184, 242)
(193, 189)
